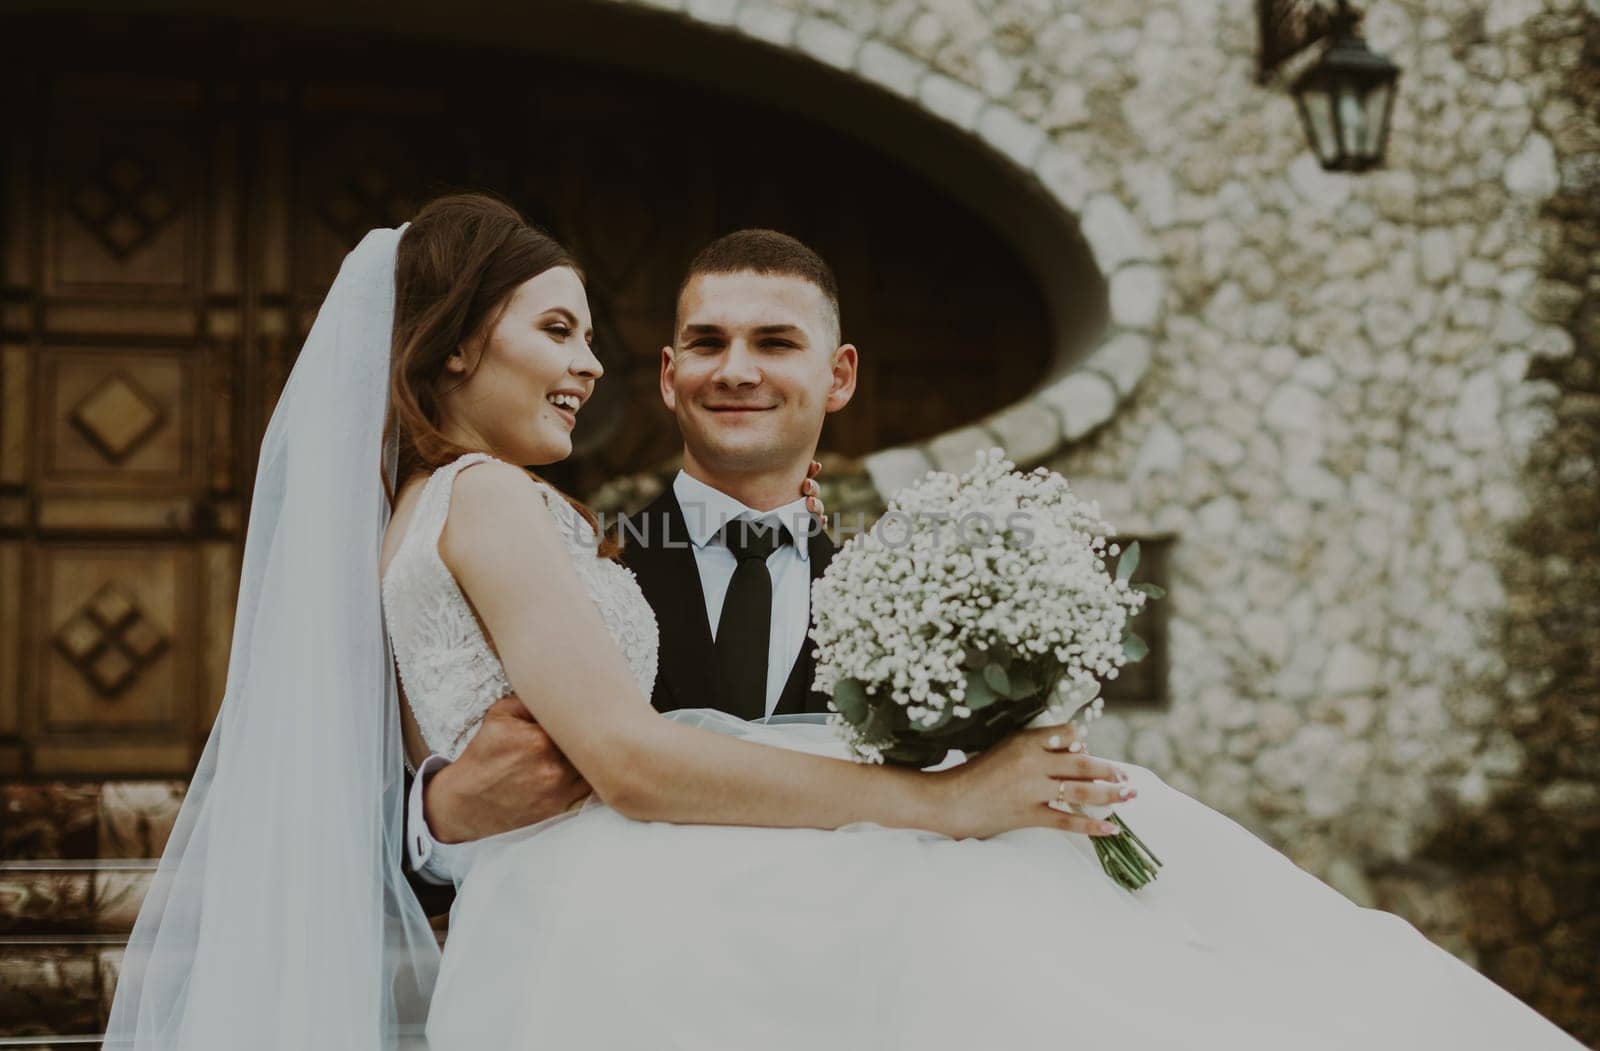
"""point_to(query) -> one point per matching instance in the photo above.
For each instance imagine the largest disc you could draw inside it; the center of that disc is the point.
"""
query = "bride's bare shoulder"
(489, 483)
(495, 502)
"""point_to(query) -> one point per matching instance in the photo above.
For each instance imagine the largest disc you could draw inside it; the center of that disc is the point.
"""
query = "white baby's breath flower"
(991, 561)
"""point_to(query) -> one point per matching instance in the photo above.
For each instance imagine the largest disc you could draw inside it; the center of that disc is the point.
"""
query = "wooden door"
(167, 241)
(120, 489)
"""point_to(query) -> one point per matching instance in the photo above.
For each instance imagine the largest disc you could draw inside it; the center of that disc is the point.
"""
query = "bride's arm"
(505, 549)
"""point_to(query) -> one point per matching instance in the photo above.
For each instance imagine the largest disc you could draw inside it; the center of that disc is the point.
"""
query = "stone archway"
(1086, 389)
(1102, 283)
(1100, 273)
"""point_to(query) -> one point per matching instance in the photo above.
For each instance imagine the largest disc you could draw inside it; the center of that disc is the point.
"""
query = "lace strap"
(433, 509)
(433, 506)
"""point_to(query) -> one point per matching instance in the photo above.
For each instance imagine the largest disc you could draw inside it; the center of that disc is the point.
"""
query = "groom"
(725, 556)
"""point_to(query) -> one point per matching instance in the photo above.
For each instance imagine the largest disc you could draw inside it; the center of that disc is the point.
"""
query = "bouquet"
(978, 605)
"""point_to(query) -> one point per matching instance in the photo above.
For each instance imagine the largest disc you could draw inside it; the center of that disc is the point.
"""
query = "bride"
(728, 885)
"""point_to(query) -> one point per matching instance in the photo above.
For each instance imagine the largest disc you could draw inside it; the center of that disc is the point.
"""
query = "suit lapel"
(662, 558)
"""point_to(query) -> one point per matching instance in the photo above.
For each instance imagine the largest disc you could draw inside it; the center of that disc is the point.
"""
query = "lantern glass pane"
(1352, 120)
(1377, 111)
(1316, 108)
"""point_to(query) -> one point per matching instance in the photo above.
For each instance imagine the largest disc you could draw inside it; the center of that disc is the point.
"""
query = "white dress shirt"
(433, 861)
(705, 512)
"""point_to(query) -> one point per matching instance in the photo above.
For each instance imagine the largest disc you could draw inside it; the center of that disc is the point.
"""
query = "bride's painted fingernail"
(1129, 793)
(1075, 746)
(1054, 742)
(1108, 829)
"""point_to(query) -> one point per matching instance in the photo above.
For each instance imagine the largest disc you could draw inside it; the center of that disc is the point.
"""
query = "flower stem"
(1125, 858)
(1117, 820)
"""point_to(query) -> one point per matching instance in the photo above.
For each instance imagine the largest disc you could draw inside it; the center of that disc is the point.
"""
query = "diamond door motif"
(117, 417)
(110, 640)
(367, 201)
(121, 203)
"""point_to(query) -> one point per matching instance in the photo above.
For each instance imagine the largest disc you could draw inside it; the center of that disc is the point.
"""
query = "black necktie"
(744, 627)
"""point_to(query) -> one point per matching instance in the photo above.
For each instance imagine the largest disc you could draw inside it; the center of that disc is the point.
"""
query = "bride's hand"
(1030, 779)
(812, 491)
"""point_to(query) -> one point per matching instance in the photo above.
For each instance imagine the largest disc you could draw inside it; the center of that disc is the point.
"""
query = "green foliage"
(979, 693)
(1128, 562)
(850, 697)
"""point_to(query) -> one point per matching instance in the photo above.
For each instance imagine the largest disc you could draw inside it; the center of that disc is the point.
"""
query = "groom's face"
(754, 368)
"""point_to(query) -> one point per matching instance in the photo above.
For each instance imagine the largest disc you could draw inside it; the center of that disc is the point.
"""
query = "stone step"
(63, 926)
(68, 897)
(76, 860)
(56, 992)
(83, 820)
(56, 987)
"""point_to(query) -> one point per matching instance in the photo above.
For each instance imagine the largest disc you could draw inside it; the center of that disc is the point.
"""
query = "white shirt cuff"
(435, 862)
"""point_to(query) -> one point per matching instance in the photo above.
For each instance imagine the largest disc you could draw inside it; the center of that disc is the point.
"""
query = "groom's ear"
(844, 377)
(668, 366)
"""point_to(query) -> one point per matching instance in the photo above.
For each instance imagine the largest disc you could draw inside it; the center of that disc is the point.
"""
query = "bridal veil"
(279, 917)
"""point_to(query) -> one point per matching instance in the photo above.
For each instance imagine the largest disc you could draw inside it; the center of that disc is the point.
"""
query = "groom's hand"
(511, 775)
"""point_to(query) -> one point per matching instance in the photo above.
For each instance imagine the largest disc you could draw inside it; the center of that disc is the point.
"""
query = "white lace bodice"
(450, 671)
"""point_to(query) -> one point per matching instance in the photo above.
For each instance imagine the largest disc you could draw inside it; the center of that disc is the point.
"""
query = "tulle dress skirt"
(593, 931)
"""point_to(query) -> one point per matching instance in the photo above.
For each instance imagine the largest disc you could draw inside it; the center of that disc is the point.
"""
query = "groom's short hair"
(766, 252)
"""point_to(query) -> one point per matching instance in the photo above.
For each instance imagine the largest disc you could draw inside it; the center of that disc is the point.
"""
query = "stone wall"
(1537, 841)
(1367, 407)
(1372, 423)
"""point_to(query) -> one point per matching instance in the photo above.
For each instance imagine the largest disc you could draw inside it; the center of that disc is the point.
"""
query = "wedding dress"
(593, 931)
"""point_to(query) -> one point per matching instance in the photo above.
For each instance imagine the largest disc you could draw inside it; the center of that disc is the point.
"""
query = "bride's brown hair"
(458, 264)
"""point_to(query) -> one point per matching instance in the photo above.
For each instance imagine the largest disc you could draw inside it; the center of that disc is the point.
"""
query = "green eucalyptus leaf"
(1134, 648)
(879, 724)
(997, 679)
(1153, 590)
(850, 697)
(979, 693)
(1128, 562)
(976, 658)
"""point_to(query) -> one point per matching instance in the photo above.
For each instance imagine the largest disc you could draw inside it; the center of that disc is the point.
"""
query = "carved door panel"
(119, 505)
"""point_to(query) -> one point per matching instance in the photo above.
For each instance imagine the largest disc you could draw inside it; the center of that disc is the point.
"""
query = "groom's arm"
(511, 775)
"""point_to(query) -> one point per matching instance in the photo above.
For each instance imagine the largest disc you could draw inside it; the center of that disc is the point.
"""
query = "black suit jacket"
(658, 550)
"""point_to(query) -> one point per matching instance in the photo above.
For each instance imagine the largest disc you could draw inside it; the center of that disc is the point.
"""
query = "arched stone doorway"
(180, 191)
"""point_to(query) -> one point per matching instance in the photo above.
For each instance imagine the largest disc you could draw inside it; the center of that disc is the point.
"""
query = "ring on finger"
(1061, 793)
